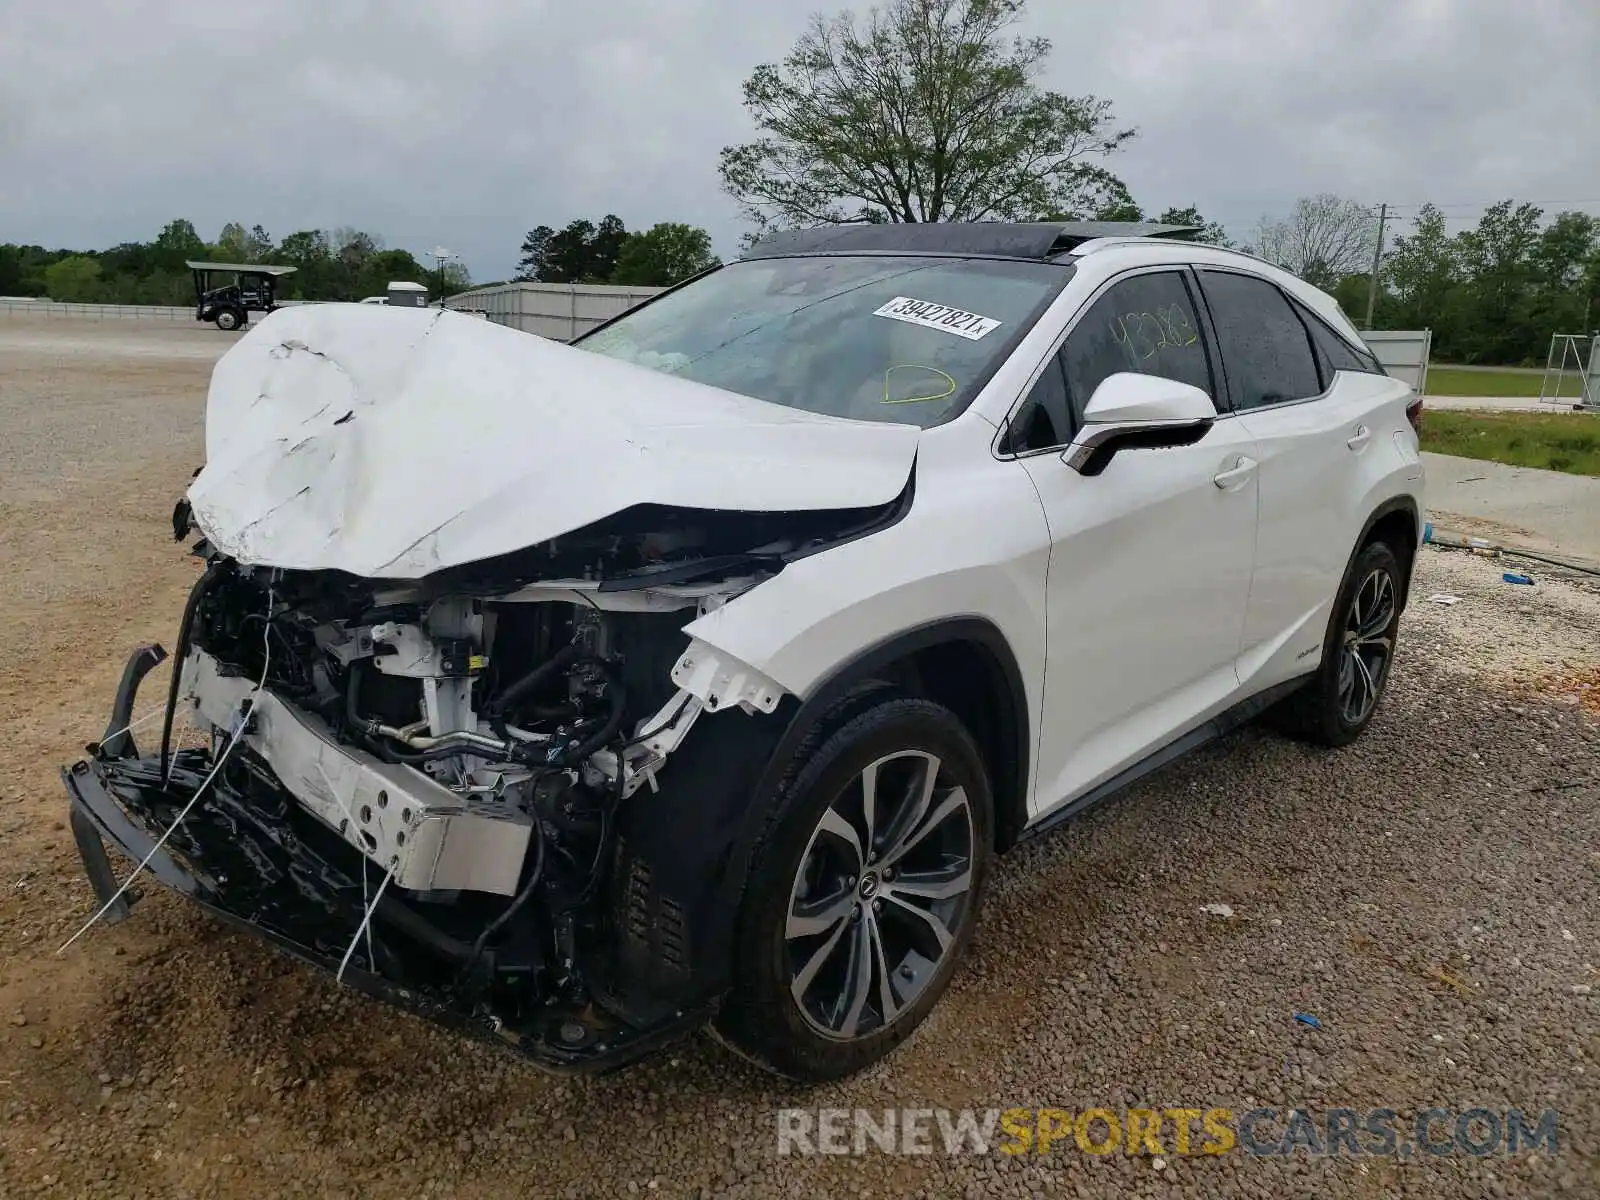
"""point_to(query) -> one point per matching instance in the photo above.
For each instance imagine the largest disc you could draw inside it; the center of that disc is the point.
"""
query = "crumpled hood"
(391, 443)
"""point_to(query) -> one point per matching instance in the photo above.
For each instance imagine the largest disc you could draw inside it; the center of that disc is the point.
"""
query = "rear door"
(1313, 408)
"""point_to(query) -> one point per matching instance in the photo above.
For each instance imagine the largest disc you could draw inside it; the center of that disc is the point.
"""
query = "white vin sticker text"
(938, 316)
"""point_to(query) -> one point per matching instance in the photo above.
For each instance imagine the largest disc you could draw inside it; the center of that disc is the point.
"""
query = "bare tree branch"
(1323, 239)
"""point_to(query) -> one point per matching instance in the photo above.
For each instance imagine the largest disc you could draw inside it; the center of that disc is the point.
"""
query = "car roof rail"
(1039, 241)
(1108, 243)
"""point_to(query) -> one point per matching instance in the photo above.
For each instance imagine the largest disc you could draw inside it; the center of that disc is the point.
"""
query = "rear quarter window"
(1334, 352)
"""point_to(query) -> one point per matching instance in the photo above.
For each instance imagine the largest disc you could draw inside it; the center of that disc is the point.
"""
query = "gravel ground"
(1429, 894)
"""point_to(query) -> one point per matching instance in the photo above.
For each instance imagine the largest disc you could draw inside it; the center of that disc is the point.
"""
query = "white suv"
(579, 695)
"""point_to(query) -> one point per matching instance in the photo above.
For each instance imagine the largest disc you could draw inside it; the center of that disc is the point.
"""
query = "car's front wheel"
(864, 892)
(1340, 700)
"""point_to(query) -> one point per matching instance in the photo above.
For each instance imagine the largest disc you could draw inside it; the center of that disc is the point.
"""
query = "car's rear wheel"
(1357, 654)
(864, 892)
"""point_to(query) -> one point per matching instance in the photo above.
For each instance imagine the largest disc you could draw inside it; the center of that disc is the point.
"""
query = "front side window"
(908, 340)
(1264, 345)
(1145, 324)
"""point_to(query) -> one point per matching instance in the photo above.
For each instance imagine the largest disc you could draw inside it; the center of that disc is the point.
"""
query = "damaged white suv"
(578, 695)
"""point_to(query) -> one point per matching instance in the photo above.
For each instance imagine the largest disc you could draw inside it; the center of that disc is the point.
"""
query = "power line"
(1491, 203)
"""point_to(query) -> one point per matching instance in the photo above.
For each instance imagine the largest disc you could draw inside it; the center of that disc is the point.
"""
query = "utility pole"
(443, 256)
(1377, 257)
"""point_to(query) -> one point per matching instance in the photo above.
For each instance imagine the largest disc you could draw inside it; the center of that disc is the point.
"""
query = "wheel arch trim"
(1407, 505)
(1011, 777)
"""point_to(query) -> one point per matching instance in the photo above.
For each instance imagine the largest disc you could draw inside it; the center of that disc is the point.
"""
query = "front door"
(1150, 566)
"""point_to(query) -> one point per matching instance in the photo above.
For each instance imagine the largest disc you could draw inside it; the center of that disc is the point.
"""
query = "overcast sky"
(466, 122)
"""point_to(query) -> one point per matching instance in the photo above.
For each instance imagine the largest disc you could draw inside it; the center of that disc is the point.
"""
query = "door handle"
(1236, 474)
(1362, 436)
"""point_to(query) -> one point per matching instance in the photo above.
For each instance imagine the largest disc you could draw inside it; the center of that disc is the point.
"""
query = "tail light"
(1414, 414)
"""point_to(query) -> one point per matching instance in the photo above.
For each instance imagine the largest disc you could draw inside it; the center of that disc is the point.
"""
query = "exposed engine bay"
(423, 780)
(445, 737)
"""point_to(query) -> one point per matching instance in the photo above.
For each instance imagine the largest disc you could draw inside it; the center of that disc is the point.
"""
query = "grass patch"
(1567, 442)
(1491, 381)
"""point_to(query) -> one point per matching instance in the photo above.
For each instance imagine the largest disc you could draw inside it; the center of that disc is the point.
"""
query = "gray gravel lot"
(1428, 894)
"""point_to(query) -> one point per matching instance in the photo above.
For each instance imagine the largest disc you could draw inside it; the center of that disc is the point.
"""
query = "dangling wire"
(366, 920)
(240, 724)
(155, 712)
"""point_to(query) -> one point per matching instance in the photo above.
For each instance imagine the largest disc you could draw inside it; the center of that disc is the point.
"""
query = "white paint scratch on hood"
(391, 442)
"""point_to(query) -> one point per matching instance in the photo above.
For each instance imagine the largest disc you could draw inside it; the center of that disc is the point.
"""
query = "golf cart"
(243, 288)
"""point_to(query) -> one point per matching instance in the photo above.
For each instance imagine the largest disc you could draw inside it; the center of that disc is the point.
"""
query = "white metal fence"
(554, 310)
(98, 312)
(109, 312)
(1403, 353)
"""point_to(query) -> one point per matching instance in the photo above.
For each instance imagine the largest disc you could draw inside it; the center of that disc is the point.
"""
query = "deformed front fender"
(967, 563)
(975, 544)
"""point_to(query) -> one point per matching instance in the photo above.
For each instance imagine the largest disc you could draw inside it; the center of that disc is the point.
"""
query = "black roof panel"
(1033, 240)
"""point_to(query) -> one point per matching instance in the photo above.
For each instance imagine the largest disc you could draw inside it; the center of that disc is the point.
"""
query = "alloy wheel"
(1368, 646)
(883, 891)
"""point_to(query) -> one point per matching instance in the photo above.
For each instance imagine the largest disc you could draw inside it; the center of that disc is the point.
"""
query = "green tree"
(568, 253)
(664, 254)
(257, 245)
(609, 238)
(26, 278)
(1210, 231)
(534, 266)
(176, 243)
(1420, 283)
(232, 244)
(1498, 259)
(582, 252)
(76, 279)
(10, 270)
(352, 250)
(1422, 269)
(1564, 298)
(310, 255)
(926, 111)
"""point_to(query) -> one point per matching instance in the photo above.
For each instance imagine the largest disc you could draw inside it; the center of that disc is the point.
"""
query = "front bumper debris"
(250, 855)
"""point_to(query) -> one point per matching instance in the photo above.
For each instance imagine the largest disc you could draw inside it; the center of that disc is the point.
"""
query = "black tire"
(228, 320)
(762, 1018)
(1322, 712)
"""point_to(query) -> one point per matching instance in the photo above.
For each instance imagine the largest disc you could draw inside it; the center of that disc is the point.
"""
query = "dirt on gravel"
(1428, 895)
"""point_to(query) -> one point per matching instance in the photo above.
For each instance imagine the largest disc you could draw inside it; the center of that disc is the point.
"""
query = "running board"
(1218, 726)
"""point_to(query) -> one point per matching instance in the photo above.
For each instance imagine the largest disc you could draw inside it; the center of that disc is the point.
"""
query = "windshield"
(906, 340)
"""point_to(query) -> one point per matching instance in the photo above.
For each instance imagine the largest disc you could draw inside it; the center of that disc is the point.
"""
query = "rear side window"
(1145, 324)
(1264, 345)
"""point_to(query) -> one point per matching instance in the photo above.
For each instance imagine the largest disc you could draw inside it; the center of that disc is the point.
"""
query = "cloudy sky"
(466, 122)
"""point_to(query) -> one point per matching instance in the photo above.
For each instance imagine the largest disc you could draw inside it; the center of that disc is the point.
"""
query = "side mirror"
(1132, 411)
